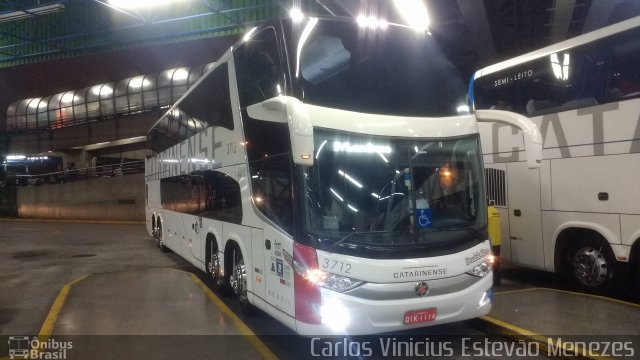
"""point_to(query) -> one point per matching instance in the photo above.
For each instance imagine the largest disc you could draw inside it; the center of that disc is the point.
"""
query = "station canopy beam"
(42, 30)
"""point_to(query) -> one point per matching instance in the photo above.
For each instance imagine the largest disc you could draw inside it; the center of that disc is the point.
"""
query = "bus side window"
(624, 79)
(208, 104)
(210, 101)
(222, 199)
(210, 194)
(258, 68)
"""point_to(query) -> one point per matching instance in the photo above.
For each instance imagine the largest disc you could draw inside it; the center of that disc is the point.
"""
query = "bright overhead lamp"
(180, 74)
(33, 103)
(102, 90)
(68, 97)
(372, 22)
(139, 82)
(296, 14)
(27, 13)
(414, 13)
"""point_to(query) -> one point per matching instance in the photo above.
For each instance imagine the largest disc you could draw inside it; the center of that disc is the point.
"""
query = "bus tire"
(213, 259)
(591, 265)
(634, 266)
(238, 281)
(153, 226)
(159, 238)
(635, 274)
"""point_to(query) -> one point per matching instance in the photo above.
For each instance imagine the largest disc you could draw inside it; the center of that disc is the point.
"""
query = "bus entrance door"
(525, 220)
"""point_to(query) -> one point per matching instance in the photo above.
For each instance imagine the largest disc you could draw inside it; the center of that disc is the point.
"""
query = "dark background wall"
(117, 198)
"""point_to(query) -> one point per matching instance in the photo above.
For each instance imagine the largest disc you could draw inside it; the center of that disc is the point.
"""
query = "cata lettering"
(553, 132)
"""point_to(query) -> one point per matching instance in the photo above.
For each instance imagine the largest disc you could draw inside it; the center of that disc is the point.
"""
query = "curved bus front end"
(390, 225)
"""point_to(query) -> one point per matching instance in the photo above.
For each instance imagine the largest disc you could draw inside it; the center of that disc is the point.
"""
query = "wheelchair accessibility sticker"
(423, 218)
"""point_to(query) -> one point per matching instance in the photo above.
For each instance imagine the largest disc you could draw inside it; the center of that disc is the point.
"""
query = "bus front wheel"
(591, 265)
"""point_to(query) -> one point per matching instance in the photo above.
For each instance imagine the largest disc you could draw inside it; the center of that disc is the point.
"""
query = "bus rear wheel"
(238, 281)
(213, 262)
(591, 265)
(159, 240)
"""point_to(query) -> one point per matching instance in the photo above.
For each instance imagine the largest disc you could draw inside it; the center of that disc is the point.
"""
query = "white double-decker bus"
(579, 213)
(330, 175)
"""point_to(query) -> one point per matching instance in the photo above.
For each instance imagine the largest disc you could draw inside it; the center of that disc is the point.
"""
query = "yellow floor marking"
(514, 328)
(515, 291)
(75, 221)
(252, 338)
(50, 322)
(568, 348)
(600, 297)
(538, 337)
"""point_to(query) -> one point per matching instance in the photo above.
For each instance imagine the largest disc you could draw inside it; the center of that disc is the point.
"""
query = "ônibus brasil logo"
(25, 347)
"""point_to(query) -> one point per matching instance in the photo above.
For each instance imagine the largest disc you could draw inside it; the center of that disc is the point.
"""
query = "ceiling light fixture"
(415, 13)
(27, 13)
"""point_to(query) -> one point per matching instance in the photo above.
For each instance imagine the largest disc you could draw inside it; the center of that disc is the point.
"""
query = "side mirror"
(532, 136)
(289, 110)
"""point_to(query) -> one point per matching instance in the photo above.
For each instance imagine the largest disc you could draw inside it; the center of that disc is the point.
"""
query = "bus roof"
(563, 45)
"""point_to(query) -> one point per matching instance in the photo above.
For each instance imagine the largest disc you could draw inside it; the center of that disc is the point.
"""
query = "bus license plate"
(420, 316)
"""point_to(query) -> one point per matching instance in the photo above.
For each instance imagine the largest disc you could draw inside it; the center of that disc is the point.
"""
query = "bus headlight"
(340, 283)
(481, 270)
(335, 315)
(327, 280)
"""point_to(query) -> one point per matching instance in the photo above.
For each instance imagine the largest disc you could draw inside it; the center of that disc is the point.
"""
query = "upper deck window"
(207, 104)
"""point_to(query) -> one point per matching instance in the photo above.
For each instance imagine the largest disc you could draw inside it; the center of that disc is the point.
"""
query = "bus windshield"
(376, 190)
(391, 71)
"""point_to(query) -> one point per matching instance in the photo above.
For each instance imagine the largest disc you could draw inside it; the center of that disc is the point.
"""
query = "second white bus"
(579, 213)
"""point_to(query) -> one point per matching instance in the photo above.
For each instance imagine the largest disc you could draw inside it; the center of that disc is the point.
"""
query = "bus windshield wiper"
(470, 230)
(358, 233)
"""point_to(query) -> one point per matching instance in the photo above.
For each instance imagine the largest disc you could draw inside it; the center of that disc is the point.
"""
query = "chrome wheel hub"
(590, 266)
(239, 278)
(157, 235)
(214, 264)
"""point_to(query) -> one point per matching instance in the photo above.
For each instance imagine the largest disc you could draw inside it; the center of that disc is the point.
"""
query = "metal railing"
(70, 175)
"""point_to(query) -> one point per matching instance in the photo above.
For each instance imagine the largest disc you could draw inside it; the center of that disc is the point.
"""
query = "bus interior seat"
(537, 105)
(578, 103)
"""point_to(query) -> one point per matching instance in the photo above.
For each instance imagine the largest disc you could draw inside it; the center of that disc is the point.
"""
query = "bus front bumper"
(343, 314)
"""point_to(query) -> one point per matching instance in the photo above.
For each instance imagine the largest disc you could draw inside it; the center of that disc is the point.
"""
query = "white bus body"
(304, 209)
(579, 213)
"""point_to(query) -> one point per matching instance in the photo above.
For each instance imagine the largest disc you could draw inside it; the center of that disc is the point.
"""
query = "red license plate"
(419, 316)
